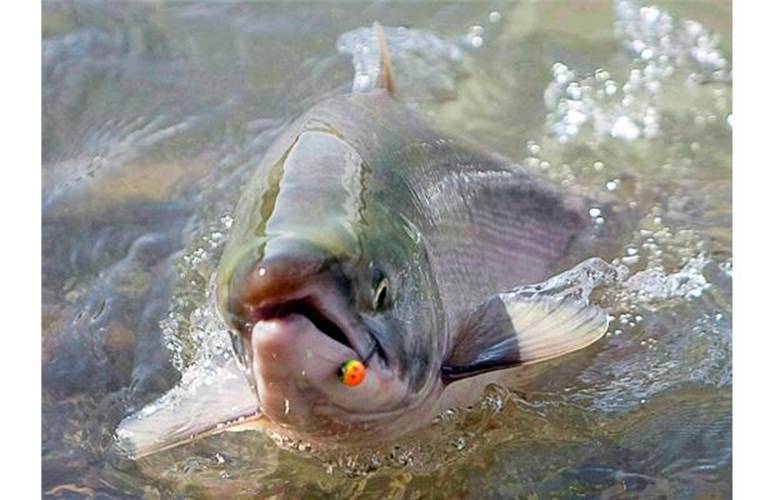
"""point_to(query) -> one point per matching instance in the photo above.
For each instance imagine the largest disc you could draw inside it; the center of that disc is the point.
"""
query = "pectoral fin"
(205, 402)
(530, 324)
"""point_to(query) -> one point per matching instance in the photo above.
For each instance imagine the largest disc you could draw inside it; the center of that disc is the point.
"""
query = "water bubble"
(431, 57)
(476, 41)
(574, 118)
(655, 284)
(594, 212)
(630, 260)
(653, 34)
(624, 128)
(533, 148)
(653, 86)
(574, 91)
(361, 81)
(495, 16)
(561, 73)
(602, 75)
(598, 165)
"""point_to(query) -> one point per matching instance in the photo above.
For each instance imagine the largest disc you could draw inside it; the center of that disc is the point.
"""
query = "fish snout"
(293, 279)
(264, 288)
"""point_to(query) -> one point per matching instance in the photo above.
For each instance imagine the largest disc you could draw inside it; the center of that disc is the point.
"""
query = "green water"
(155, 114)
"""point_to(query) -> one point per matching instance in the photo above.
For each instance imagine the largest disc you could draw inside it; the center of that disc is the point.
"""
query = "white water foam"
(654, 284)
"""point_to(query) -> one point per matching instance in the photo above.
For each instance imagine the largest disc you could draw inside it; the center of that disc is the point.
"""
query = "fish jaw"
(291, 361)
(296, 369)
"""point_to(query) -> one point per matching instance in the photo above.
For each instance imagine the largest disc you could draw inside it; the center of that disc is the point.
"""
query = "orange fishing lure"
(352, 373)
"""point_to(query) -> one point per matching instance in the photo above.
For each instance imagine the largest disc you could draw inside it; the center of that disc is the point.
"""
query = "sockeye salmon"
(371, 267)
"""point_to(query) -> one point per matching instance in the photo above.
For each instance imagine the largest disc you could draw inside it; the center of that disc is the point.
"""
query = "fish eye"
(380, 289)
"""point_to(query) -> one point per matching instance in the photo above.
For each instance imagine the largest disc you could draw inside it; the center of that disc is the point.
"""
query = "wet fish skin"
(447, 224)
(364, 234)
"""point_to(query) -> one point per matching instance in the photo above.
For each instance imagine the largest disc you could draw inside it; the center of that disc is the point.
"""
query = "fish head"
(305, 299)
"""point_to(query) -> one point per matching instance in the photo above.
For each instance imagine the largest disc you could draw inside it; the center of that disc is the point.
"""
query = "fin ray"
(205, 402)
(532, 323)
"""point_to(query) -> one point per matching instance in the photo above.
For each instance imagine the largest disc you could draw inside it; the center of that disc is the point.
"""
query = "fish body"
(366, 235)
(364, 183)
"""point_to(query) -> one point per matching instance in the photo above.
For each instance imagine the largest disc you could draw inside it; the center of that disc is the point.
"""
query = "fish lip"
(329, 316)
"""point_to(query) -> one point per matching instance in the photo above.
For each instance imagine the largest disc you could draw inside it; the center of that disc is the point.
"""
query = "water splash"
(609, 108)
(192, 329)
(424, 63)
(663, 48)
(654, 35)
(655, 284)
(576, 283)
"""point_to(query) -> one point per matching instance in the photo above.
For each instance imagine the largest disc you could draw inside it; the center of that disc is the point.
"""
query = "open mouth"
(310, 309)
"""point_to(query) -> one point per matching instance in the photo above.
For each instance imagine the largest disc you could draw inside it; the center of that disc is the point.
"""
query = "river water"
(154, 115)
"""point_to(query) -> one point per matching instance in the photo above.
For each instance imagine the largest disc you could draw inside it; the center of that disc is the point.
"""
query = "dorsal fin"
(385, 78)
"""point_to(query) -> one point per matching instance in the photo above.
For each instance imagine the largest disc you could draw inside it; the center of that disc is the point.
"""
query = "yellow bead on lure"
(352, 373)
